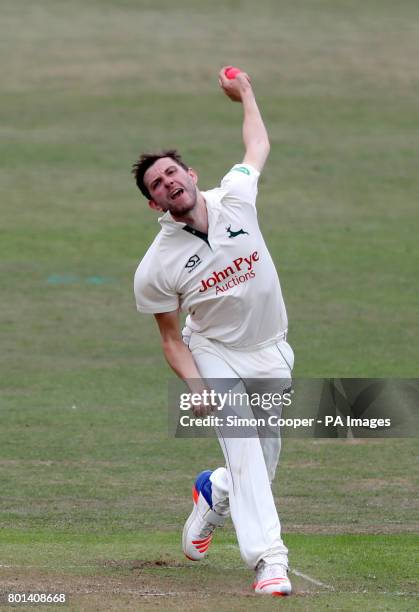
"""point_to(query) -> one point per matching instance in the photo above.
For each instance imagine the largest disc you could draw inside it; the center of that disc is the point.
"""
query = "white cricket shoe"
(201, 523)
(272, 579)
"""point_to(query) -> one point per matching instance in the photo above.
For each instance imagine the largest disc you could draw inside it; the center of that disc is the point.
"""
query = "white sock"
(220, 487)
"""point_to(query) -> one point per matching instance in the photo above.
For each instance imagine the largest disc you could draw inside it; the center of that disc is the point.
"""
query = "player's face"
(171, 187)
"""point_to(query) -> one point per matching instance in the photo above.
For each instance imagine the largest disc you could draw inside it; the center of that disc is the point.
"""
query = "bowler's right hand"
(234, 88)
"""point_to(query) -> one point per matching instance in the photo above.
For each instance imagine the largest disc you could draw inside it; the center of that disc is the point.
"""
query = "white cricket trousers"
(250, 462)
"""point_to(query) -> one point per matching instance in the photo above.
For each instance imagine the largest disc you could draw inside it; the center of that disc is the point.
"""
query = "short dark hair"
(146, 160)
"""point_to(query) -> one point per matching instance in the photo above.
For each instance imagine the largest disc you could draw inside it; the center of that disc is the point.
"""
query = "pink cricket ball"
(231, 72)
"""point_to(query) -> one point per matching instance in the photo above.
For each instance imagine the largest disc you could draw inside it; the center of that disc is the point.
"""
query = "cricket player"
(210, 261)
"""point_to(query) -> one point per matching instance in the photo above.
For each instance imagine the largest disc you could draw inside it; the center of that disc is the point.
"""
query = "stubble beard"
(179, 212)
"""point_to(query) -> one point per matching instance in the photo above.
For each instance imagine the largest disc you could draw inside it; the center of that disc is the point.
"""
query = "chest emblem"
(233, 233)
(192, 262)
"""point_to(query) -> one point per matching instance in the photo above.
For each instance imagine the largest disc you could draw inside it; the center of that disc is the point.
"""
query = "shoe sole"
(188, 523)
(201, 546)
(275, 594)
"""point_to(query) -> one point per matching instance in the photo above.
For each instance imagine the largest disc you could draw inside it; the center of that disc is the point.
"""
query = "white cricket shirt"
(226, 281)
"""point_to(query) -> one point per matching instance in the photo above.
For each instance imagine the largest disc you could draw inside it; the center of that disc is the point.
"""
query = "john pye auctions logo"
(241, 264)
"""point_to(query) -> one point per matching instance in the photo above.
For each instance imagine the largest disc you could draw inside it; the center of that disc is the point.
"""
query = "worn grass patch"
(147, 571)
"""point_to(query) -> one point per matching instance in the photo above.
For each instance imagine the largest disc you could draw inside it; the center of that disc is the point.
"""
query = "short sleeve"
(152, 292)
(241, 184)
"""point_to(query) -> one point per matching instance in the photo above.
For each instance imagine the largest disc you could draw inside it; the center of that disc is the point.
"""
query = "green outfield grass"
(93, 492)
(122, 570)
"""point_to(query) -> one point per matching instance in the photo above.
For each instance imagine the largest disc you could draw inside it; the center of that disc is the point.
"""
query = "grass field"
(93, 492)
